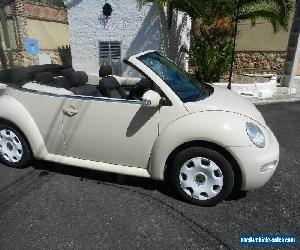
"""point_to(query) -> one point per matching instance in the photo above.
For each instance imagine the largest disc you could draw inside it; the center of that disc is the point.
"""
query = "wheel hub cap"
(10, 146)
(201, 178)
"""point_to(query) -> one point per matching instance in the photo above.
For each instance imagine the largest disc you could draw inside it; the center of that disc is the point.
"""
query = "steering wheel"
(140, 88)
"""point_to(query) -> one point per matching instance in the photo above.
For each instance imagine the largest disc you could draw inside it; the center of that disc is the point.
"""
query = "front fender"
(14, 112)
(225, 129)
(3, 88)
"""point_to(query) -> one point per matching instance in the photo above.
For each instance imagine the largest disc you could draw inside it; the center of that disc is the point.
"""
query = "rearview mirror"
(151, 99)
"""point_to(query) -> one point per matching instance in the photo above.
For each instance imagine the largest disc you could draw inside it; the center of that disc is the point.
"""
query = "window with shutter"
(110, 52)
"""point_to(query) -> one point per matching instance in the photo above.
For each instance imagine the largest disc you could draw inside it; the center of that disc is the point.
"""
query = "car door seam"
(62, 125)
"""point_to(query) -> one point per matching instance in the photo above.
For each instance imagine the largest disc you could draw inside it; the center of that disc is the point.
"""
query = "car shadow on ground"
(117, 180)
(103, 177)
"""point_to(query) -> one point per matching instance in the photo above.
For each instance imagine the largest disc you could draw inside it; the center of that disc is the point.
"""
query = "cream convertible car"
(203, 139)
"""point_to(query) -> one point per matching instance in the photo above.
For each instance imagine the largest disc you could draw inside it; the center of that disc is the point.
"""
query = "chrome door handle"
(70, 111)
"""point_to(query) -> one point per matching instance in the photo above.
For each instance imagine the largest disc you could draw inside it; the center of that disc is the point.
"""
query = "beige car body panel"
(251, 159)
(190, 128)
(14, 112)
(234, 103)
(111, 131)
(122, 136)
(100, 166)
(45, 111)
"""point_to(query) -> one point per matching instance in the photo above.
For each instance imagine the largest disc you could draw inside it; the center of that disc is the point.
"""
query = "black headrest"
(105, 70)
(79, 78)
(44, 77)
(67, 72)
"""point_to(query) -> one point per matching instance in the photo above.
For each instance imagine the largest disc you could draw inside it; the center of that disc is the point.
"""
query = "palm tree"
(277, 12)
(213, 28)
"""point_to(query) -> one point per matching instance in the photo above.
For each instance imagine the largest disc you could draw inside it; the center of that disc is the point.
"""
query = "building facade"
(44, 20)
(129, 29)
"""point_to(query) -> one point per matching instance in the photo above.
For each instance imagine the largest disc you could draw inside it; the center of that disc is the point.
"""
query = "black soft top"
(20, 75)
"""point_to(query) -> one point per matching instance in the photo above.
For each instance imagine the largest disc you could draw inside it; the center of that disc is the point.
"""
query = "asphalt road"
(48, 206)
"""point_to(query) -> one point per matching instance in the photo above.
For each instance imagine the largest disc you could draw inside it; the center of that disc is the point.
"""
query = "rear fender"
(14, 112)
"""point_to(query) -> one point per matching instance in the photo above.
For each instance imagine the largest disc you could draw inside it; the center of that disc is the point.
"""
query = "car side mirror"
(151, 99)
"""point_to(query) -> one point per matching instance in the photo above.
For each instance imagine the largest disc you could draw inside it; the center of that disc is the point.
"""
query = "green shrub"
(207, 62)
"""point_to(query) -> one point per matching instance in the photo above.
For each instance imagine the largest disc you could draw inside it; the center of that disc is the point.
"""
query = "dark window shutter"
(110, 52)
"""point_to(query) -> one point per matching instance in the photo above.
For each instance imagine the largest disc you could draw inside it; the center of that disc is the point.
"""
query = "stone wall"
(59, 4)
(21, 58)
(21, 22)
(260, 62)
(45, 13)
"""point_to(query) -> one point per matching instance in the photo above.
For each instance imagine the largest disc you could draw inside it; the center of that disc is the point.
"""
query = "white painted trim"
(260, 90)
(3, 86)
(292, 83)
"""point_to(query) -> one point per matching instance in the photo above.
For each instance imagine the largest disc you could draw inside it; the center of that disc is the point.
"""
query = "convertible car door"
(109, 130)
(45, 110)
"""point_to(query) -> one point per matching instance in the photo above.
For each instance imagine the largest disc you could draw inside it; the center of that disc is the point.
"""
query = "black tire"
(221, 162)
(26, 154)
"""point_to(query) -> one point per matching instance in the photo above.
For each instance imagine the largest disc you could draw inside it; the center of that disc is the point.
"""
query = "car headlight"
(256, 135)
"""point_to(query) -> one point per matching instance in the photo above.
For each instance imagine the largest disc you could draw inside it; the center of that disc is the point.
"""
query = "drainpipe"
(6, 37)
(292, 78)
(2, 54)
(234, 43)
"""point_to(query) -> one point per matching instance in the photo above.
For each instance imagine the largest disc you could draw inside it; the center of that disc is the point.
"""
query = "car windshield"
(174, 77)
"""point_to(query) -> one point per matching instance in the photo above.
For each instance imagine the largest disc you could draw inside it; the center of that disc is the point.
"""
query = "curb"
(288, 99)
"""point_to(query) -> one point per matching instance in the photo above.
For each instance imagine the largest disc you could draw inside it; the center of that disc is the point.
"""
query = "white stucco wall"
(138, 29)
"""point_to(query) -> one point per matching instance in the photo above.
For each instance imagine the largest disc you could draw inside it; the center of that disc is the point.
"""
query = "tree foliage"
(277, 12)
(213, 28)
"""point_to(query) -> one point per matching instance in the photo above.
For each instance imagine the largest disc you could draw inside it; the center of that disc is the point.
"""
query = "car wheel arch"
(13, 112)
(10, 123)
(210, 145)
(24, 157)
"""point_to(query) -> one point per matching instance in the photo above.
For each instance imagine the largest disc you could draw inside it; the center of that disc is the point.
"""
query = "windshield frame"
(180, 83)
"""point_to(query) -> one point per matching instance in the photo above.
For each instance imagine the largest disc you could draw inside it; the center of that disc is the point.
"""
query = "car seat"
(67, 72)
(108, 85)
(78, 82)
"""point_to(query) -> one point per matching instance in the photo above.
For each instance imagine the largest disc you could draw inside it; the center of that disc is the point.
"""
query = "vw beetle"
(204, 140)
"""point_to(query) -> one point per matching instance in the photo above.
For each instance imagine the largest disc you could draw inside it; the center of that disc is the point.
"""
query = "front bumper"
(256, 163)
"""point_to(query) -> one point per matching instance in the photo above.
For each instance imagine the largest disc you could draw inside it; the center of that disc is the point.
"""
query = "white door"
(45, 110)
(108, 130)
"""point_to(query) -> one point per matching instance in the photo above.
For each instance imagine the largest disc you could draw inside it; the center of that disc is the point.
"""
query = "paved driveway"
(48, 206)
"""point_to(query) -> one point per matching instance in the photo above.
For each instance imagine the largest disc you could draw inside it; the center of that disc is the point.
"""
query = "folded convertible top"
(24, 74)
